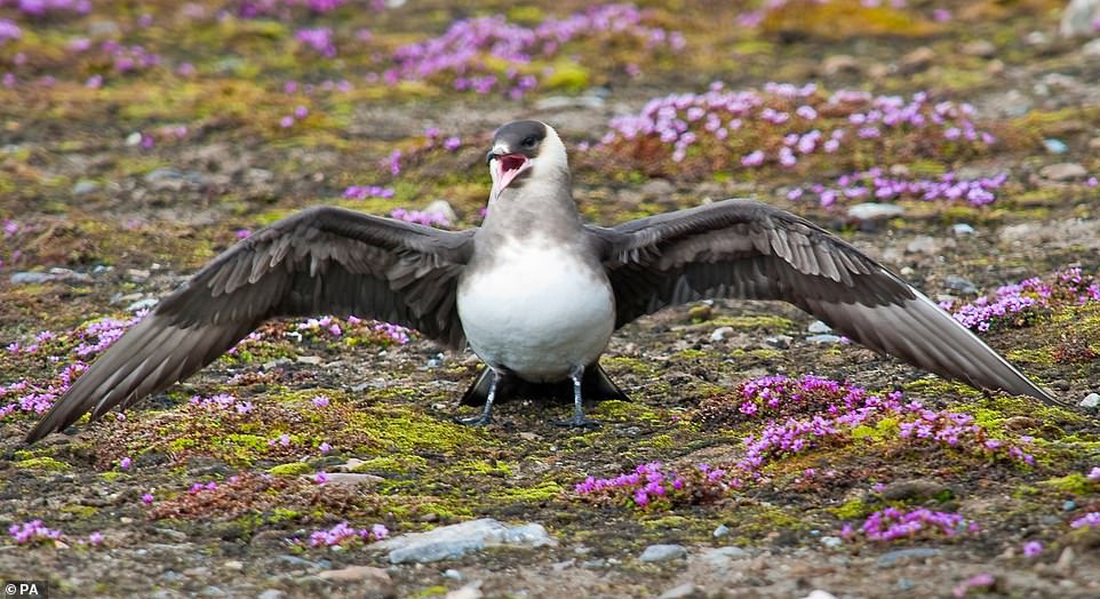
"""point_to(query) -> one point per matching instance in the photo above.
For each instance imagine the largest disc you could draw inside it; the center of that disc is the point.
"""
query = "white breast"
(537, 310)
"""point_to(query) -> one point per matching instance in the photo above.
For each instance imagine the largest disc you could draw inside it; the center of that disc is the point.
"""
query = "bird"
(535, 292)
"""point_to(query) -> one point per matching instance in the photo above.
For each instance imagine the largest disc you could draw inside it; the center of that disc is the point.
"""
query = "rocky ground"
(141, 139)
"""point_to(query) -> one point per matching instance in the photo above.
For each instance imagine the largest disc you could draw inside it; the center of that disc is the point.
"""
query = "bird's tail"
(595, 385)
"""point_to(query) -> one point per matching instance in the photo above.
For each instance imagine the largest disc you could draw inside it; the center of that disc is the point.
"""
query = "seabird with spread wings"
(535, 292)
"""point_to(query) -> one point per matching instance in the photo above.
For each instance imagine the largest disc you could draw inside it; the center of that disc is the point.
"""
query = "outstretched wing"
(750, 250)
(323, 260)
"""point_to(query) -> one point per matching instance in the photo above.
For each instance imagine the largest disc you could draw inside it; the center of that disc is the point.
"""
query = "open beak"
(504, 168)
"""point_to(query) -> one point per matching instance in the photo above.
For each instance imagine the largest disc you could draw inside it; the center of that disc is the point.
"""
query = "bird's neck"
(541, 205)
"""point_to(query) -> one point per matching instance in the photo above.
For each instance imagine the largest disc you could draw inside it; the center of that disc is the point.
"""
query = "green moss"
(755, 321)
(484, 467)
(852, 509)
(392, 463)
(291, 469)
(111, 475)
(1076, 483)
(43, 463)
(1032, 356)
(624, 411)
(80, 511)
(567, 76)
(936, 387)
(543, 491)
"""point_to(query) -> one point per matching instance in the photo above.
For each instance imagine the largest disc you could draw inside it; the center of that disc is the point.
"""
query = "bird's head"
(524, 150)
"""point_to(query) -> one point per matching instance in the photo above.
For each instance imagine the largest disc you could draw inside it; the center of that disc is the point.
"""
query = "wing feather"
(747, 249)
(323, 260)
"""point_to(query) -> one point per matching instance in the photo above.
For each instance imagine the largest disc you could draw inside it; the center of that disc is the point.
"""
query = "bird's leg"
(486, 415)
(578, 419)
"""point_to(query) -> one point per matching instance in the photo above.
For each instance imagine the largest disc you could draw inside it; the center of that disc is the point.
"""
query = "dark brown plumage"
(329, 260)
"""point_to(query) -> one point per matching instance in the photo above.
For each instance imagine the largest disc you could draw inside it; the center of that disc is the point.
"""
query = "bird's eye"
(529, 141)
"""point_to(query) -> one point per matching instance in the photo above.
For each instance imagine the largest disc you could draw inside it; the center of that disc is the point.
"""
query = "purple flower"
(319, 39)
(147, 498)
(1089, 520)
(320, 401)
(125, 462)
(1032, 549)
(96, 538)
(324, 448)
(320, 478)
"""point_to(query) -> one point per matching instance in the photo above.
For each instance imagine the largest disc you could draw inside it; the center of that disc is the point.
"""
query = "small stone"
(84, 187)
(819, 327)
(904, 555)
(820, 594)
(832, 542)
(1069, 505)
(350, 479)
(134, 138)
(917, 489)
(721, 333)
(684, 591)
(1079, 18)
(442, 208)
(657, 188)
(923, 244)
(720, 531)
(824, 339)
(453, 574)
(980, 48)
(779, 341)
(916, 61)
(312, 360)
(471, 590)
(1064, 171)
(662, 553)
(1091, 401)
(143, 304)
(960, 229)
(1055, 146)
(840, 63)
(234, 565)
(589, 102)
(721, 555)
(1091, 49)
(873, 211)
(959, 284)
(272, 594)
(358, 574)
(449, 542)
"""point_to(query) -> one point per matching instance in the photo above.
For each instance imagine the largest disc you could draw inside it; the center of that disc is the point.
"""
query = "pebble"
(819, 327)
(980, 48)
(589, 102)
(453, 574)
(1091, 49)
(469, 591)
(1079, 18)
(917, 488)
(684, 591)
(824, 339)
(1064, 171)
(662, 553)
(376, 576)
(720, 531)
(84, 187)
(448, 542)
(960, 229)
(820, 594)
(957, 283)
(1055, 146)
(918, 60)
(1069, 505)
(271, 594)
(923, 244)
(780, 341)
(443, 208)
(721, 333)
(902, 555)
(55, 274)
(722, 555)
(657, 188)
(841, 63)
(872, 211)
(1091, 401)
(351, 479)
(832, 542)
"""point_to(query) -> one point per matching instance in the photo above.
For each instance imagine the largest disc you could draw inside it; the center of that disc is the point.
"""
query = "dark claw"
(479, 420)
(578, 423)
